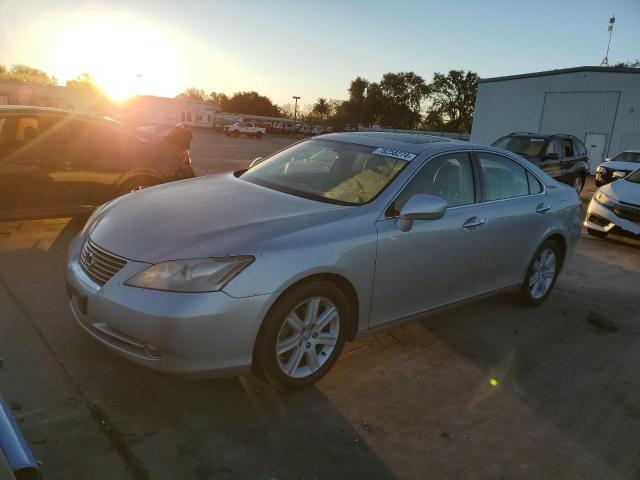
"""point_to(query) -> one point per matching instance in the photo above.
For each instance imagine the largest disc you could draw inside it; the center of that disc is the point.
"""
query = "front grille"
(628, 211)
(99, 264)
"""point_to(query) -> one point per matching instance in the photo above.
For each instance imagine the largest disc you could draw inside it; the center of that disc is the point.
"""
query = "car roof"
(406, 142)
(53, 111)
(540, 135)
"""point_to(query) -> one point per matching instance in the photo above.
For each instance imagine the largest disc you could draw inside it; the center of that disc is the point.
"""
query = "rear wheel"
(258, 135)
(542, 274)
(302, 336)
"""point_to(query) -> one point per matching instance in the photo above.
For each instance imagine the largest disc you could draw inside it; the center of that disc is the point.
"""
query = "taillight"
(186, 158)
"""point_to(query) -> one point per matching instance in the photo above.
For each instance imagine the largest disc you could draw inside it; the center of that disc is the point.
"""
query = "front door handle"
(542, 208)
(474, 222)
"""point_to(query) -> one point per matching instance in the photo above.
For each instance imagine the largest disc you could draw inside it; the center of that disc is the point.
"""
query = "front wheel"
(542, 274)
(302, 336)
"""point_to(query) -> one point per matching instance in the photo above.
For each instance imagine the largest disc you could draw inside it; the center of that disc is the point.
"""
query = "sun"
(124, 55)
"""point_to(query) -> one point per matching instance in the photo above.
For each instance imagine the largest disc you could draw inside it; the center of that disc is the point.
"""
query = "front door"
(435, 262)
(595, 143)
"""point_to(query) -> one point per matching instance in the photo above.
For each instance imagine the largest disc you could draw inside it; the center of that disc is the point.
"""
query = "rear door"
(552, 159)
(569, 160)
(92, 161)
(515, 208)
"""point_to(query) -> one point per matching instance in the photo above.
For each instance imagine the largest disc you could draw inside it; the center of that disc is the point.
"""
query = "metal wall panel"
(504, 106)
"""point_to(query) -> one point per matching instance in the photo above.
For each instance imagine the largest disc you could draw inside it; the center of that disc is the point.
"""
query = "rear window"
(522, 145)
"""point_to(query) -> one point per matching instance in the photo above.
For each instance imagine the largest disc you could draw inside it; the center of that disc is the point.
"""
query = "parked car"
(563, 157)
(615, 208)
(624, 163)
(275, 267)
(244, 128)
(55, 162)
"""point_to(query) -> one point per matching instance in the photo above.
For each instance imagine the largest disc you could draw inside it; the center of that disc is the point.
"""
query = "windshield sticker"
(387, 152)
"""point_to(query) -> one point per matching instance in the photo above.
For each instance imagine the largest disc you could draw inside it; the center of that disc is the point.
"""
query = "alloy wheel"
(307, 337)
(542, 273)
(577, 184)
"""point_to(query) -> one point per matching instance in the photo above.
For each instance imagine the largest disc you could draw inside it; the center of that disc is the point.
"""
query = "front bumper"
(201, 334)
(602, 219)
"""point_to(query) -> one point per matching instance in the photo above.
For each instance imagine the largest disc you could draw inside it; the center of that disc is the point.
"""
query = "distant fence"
(457, 136)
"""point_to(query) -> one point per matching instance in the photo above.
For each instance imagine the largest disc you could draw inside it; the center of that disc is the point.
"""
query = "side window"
(534, 184)
(568, 147)
(503, 178)
(449, 176)
(555, 146)
(579, 148)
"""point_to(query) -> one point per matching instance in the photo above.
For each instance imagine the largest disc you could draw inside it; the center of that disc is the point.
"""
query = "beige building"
(147, 109)
(13, 92)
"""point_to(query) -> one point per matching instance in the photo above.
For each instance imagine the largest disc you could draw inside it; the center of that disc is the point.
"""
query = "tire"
(258, 135)
(578, 184)
(236, 133)
(299, 340)
(596, 233)
(532, 292)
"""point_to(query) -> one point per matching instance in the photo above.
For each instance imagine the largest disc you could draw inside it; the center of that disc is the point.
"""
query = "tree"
(25, 73)
(321, 108)
(251, 103)
(628, 64)
(403, 95)
(3, 70)
(219, 99)
(192, 94)
(84, 81)
(452, 100)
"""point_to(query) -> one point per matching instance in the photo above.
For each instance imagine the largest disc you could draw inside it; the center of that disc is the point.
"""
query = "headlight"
(602, 199)
(600, 169)
(196, 275)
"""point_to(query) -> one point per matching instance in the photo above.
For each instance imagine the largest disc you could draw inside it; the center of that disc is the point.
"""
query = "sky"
(310, 49)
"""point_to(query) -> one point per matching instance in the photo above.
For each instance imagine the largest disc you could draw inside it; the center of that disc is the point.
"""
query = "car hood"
(210, 216)
(624, 191)
(626, 166)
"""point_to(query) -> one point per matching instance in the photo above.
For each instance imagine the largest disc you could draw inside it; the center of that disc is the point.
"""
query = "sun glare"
(125, 56)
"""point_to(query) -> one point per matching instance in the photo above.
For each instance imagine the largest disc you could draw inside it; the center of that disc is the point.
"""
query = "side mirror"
(553, 156)
(421, 207)
(256, 161)
(618, 175)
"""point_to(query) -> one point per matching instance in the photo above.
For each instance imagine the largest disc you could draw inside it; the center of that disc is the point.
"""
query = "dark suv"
(55, 162)
(563, 157)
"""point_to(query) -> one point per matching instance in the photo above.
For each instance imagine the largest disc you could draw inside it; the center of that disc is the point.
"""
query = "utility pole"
(295, 115)
(605, 61)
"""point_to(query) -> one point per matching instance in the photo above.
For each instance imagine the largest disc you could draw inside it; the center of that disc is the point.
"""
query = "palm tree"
(322, 108)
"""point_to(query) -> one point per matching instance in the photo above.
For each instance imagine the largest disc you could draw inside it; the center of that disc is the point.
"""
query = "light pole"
(295, 114)
(605, 62)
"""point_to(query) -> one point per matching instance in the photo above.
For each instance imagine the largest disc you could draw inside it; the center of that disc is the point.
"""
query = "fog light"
(152, 352)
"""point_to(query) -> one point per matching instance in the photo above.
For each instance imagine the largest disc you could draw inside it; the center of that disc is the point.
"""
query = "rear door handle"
(542, 208)
(474, 222)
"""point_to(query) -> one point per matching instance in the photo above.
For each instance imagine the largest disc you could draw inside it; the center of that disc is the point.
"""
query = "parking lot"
(491, 390)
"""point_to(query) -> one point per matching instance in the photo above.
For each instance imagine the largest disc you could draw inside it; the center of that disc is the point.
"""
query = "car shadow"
(171, 426)
(572, 361)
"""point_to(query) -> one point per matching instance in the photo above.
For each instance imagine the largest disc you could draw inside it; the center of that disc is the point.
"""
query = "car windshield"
(522, 145)
(634, 177)
(330, 171)
(633, 157)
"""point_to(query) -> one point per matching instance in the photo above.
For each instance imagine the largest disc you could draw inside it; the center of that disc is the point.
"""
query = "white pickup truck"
(244, 128)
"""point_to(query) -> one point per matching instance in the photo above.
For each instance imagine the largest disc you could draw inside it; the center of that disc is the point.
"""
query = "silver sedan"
(276, 267)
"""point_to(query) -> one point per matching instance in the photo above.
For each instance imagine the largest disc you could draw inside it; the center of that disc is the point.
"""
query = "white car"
(617, 167)
(615, 208)
(244, 128)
